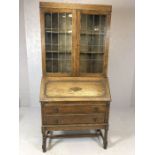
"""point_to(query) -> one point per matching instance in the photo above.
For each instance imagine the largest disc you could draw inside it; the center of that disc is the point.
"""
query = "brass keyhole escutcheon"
(56, 110)
(96, 109)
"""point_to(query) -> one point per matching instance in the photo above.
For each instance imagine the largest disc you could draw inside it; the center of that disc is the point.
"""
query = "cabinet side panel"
(42, 41)
(106, 48)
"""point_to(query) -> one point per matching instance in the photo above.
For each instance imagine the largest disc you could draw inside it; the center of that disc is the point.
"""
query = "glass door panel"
(58, 42)
(92, 43)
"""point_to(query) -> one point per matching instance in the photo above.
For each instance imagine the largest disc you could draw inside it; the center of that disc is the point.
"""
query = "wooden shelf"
(59, 32)
(62, 52)
(82, 33)
(51, 59)
(91, 45)
(54, 44)
(91, 32)
(69, 52)
(91, 53)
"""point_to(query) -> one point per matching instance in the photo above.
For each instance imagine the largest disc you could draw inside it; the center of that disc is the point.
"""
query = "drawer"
(75, 109)
(74, 119)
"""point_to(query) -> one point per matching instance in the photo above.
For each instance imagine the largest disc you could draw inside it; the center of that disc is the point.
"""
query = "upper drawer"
(75, 109)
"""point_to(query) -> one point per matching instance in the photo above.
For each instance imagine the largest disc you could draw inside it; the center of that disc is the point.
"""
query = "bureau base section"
(47, 132)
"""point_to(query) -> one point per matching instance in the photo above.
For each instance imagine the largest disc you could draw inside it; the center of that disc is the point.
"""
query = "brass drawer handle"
(56, 121)
(55, 110)
(96, 109)
(95, 119)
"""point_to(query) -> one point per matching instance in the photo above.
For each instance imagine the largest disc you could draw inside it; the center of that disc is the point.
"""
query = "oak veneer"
(74, 92)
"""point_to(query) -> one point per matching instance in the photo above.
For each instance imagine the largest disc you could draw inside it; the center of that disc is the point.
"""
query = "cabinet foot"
(44, 144)
(105, 145)
(105, 141)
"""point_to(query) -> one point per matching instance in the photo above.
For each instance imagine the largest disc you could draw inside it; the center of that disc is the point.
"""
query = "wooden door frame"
(42, 22)
(106, 42)
(76, 10)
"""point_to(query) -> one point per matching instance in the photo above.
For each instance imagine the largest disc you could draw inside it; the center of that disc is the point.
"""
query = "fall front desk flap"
(79, 89)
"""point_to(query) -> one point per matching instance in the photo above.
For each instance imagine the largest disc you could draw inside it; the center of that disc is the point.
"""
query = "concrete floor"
(121, 136)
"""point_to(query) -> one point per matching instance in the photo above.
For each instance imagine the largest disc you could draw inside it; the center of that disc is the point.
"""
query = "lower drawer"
(74, 119)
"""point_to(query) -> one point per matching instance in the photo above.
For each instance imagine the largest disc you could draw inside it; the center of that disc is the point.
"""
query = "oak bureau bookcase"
(74, 91)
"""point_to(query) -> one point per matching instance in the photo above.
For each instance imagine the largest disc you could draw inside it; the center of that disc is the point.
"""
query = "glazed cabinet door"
(93, 43)
(56, 25)
(74, 42)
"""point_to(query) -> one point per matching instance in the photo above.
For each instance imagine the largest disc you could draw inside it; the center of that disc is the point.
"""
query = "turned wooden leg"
(105, 142)
(44, 143)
